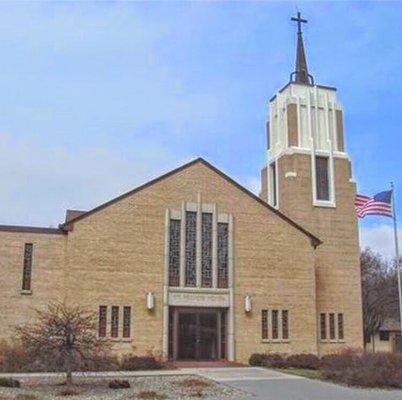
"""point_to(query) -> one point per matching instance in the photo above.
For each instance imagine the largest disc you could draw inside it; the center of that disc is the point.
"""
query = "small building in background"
(388, 337)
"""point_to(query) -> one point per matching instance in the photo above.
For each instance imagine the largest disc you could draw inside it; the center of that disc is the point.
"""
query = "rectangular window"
(272, 180)
(27, 267)
(275, 332)
(384, 336)
(126, 322)
(264, 324)
(322, 178)
(223, 255)
(323, 327)
(285, 324)
(340, 326)
(102, 321)
(174, 252)
(191, 244)
(115, 322)
(206, 246)
(332, 326)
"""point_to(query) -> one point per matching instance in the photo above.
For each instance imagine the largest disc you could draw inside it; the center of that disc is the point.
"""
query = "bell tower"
(308, 177)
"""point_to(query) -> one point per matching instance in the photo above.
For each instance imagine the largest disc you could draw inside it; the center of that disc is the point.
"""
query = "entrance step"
(205, 364)
(243, 374)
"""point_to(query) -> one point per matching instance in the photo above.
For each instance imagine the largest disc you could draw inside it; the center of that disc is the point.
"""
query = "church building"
(193, 266)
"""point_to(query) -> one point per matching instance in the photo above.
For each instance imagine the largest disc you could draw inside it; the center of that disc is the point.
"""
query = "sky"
(99, 97)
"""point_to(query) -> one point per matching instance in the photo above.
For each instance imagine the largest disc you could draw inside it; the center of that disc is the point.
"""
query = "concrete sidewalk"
(104, 374)
(217, 374)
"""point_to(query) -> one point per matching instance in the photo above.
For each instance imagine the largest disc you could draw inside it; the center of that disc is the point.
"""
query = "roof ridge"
(132, 191)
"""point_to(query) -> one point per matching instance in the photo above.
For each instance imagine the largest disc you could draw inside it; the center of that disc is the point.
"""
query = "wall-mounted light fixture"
(150, 301)
(247, 304)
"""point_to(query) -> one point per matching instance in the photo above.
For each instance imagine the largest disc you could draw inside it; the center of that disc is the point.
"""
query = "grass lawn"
(306, 373)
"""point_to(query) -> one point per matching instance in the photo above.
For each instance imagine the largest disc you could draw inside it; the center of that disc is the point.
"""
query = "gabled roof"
(314, 240)
(390, 325)
(71, 214)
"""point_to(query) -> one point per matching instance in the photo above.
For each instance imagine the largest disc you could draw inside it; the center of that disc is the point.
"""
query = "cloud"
(39, 182)
(380, 238)
(253, 183)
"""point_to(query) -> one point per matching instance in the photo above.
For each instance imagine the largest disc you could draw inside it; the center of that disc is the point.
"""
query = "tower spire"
(300, 75)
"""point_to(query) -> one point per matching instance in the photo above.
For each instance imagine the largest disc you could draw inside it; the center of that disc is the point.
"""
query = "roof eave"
(31, 229)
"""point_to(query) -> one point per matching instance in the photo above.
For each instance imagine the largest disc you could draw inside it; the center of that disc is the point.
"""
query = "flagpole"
(398, 264)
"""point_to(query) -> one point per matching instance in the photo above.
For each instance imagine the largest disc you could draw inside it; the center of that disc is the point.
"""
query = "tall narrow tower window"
(322, 178)
(272, 186)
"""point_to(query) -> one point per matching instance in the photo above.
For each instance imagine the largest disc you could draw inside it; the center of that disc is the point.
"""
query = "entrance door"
(207, 341)
(188, 334)
(198, 335)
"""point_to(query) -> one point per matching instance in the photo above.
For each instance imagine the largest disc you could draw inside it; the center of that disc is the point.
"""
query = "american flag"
(380, 204)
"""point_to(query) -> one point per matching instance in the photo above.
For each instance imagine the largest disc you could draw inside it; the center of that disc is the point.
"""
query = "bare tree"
(63, 335)
(379, 291)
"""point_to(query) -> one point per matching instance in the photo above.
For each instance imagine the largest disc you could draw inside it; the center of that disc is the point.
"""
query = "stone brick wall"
(337, 260)
(48, 275)
(116, 255)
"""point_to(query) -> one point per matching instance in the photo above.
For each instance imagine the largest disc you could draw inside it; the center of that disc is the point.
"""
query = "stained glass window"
(223, 255)
(115, 322)
(27, 271)
(323, 327)
(191, 244)
(102, 321)
(174, 252)
(206, 254)
(264, 324)
(285, 324)
(340, 326)
(126, 322)
(332, 326)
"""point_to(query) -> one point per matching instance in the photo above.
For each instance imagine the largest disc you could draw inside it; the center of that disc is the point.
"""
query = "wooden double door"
(198, 334)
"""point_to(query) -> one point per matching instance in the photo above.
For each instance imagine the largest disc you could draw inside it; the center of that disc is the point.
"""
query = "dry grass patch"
(151, 395)
(195, 386)
(9, 382)
(25, 397)
(195, 383)
(68, 392)
(196, 393)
